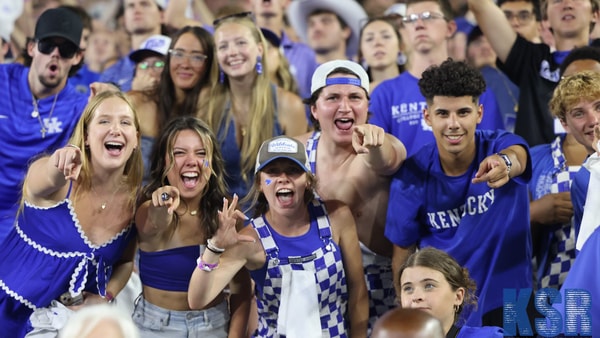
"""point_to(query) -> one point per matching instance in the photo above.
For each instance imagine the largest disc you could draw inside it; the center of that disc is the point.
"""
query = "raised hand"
(367, 136)
(492, 170)
(166, 196)
(68, 161)
(227, 235)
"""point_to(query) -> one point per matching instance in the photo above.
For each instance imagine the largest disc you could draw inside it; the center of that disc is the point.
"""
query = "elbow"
(195, 301)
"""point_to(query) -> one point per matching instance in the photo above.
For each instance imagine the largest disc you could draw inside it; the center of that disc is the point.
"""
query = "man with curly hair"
(466, 193)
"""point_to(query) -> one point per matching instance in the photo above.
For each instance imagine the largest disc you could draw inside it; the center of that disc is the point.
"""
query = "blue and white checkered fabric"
(378, 269)
(562, 248)
(329, 275)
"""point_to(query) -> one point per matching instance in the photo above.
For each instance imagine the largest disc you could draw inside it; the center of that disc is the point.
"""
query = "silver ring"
(164, 196)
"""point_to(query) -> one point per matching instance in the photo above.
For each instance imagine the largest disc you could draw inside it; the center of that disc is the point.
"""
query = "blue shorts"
(154, 321)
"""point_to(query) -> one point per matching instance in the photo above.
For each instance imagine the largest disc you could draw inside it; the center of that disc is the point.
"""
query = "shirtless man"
(353, 161)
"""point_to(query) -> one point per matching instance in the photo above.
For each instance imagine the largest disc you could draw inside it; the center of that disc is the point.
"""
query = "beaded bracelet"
(212, 248)
(206, 266)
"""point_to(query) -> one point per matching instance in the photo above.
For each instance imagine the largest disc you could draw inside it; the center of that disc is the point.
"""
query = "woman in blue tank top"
(178, 212)
(433, 281)
(303, 254)
(245, 107)
(72, 241)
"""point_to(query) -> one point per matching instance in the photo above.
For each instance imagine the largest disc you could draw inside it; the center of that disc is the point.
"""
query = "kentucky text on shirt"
(478, 204)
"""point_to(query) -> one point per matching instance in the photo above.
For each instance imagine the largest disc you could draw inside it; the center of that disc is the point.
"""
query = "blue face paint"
(206, 163)
(268, 181)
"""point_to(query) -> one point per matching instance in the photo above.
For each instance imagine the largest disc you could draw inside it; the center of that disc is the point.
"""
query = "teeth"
(284, 191)
(190, 175)
(114, 144)
(454, 137)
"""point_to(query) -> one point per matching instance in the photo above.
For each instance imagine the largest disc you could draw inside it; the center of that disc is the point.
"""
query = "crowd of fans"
(297, 168)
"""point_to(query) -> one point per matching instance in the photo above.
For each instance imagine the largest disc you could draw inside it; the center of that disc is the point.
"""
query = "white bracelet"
(214, 249)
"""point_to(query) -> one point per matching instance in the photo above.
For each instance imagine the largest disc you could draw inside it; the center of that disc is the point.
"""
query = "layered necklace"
(36, 113)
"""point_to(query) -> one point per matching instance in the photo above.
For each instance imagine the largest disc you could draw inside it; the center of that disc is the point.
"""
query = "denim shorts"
(154, 321)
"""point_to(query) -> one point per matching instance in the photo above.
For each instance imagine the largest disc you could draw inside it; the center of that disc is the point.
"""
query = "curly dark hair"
(580, 53)
(453, 79)
(215, 190)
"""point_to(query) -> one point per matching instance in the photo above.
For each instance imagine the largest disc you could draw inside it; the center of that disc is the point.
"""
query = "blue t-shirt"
(397, 106)
(121, 74)
(480, 332)
(83, 78)
(506, 92)
(585, 275)
(486, 230)
(20, 136)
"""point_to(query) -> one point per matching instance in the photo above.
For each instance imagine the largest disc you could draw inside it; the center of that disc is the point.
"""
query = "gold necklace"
(105, 203)
(36, 113)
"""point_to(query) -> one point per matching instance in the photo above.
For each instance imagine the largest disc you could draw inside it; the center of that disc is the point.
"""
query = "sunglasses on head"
(66, 49)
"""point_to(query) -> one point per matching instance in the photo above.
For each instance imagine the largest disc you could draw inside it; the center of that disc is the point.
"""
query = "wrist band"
(109, 297)
(206, 266)
(212, 248)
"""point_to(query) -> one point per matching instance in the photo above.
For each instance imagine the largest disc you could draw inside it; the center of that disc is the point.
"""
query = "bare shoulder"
(338, 212)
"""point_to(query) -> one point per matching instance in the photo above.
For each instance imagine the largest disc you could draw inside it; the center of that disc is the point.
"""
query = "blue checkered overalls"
(377, 268)
(327, 264)
(562, 247)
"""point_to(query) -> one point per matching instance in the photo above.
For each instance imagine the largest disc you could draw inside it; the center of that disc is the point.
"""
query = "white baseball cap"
(156, 45)
(320, 80)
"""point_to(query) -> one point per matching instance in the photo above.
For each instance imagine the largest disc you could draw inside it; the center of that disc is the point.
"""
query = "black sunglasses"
(66, 49)
(235, 15)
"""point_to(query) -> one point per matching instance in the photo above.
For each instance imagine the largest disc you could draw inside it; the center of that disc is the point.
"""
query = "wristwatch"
(506, 160)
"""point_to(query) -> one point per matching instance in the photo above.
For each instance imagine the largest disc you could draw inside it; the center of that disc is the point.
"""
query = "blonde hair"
(262, 108)
(133, 168)
(571, 90)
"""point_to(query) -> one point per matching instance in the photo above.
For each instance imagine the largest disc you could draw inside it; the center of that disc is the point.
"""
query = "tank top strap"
(70, 189)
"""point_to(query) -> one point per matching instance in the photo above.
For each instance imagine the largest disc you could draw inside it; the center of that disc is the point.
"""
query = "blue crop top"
(169, 270)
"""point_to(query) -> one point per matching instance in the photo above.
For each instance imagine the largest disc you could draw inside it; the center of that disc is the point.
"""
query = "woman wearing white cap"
(302, 253)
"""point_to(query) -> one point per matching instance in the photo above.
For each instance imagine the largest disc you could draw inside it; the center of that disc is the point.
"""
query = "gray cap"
(282, 147)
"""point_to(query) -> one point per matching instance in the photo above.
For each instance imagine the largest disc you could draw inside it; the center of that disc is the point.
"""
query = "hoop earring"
(456, 308)
(259, 68)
